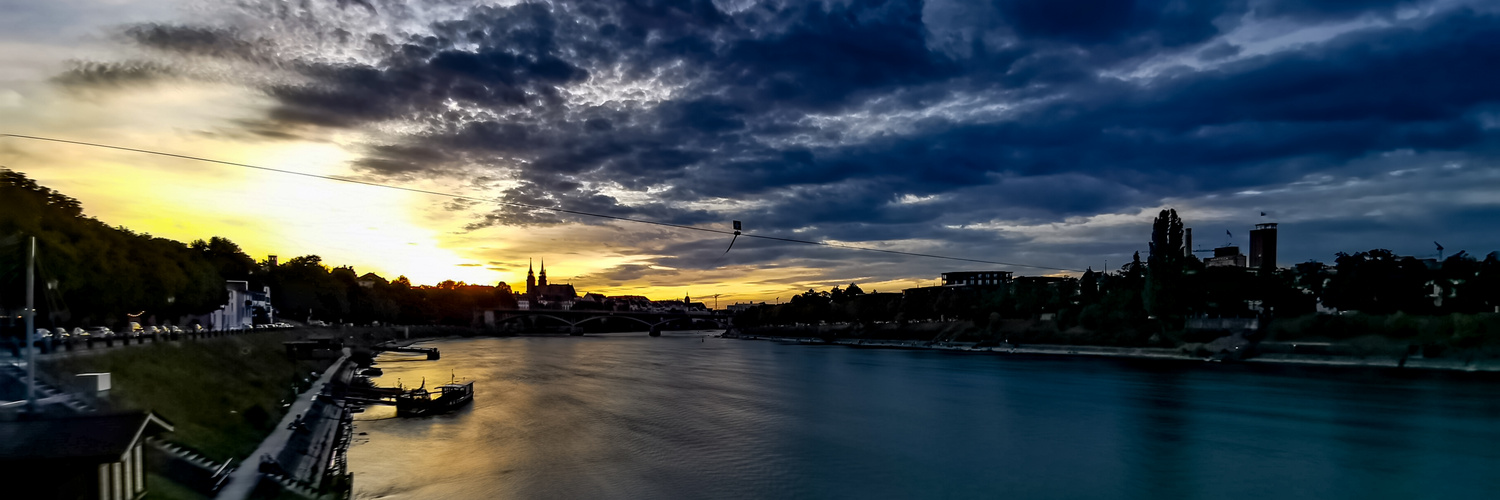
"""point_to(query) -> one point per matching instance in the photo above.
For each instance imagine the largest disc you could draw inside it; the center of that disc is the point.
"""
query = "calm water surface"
(681, 416)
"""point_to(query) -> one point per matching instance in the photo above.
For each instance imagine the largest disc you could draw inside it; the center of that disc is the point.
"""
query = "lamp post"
(31, 325)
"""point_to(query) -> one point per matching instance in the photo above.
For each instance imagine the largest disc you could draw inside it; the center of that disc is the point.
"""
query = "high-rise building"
(1263, 247)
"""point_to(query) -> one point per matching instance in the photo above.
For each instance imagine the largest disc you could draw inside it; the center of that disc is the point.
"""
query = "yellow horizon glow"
(389, 232)
(266, 213)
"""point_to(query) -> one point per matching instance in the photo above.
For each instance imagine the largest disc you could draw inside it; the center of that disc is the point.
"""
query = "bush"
(1435, 333)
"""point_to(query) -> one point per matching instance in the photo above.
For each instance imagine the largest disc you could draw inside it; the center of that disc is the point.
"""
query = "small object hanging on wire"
(736, 236)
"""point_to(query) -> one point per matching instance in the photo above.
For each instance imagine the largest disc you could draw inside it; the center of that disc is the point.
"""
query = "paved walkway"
(242, 482)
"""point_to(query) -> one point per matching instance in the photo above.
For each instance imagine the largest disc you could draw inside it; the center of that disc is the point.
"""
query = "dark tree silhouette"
(1165, 291)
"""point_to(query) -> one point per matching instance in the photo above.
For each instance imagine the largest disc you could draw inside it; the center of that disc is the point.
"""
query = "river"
(690, 416)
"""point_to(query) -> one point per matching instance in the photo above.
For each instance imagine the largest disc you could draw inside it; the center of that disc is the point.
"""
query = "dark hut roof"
(84, 437)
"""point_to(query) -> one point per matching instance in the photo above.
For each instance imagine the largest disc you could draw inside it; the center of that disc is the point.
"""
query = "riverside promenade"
(302, 442)
(1177, 354)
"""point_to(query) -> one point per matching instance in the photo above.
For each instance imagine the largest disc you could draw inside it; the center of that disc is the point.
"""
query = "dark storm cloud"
(107, 74)
(862, 120)
(1244, 124)
(1342, 9)
(192, 40)
(618, 275)
(1090, 22)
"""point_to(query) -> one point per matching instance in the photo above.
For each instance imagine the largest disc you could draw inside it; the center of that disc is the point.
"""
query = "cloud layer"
(977, 129)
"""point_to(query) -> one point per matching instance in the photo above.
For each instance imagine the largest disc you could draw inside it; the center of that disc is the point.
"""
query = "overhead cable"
(526, 205)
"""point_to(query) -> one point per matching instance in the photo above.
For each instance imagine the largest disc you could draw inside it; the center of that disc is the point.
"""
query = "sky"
(1040, 133)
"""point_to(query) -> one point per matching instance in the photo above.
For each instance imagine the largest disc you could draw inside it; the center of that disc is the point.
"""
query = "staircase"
(218, 473)
(45, 390)
(186, 454)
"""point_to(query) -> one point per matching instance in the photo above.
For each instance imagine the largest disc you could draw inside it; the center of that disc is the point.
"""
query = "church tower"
(530, 278)
(542, 280)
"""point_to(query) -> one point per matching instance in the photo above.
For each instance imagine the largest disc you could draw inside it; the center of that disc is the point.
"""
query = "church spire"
(542, 278)
(530, 277)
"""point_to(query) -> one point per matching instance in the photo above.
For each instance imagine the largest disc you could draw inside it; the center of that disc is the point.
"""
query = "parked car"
(80, 334)
(61, 333)
(174, 330)
(197, 328)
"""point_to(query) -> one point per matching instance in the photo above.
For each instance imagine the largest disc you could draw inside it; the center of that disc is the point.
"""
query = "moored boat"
(443, 399)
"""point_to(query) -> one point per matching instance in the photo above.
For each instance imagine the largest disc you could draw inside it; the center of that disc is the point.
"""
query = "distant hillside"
(90, 273)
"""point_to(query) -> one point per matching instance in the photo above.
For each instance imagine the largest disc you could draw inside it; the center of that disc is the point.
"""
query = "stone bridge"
(574, 320)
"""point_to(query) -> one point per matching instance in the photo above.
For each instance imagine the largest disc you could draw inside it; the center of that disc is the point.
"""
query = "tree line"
(306, 289)
(1171, 285)
(89, 273)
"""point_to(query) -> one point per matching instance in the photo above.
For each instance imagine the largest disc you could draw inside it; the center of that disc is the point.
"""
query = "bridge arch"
(521, 316)
(649, 320)
(592, 318)
(721, 323)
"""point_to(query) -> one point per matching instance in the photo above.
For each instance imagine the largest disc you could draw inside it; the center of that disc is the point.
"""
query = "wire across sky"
(528, 206)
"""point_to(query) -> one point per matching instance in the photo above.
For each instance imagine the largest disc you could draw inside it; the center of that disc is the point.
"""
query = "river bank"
(1184, 354)
(223, 393)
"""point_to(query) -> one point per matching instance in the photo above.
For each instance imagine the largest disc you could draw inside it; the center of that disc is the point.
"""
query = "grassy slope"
(223, 394)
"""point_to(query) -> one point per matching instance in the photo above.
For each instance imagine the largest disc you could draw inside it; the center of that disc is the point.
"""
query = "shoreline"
(1150, 353)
